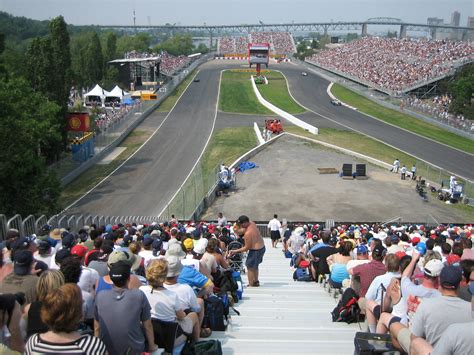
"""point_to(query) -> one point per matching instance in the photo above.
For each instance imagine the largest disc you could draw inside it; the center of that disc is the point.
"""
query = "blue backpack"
(240, 288)
(301, 274)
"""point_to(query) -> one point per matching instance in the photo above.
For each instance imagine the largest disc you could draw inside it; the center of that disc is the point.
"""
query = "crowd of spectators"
(280, 43)
(395, 64)
(138, 55)
(109, 117)
(241, 45)
(227, 45)
(169, 65)
(110, 288)
(415, 282)
(438, 107)
(283, 42)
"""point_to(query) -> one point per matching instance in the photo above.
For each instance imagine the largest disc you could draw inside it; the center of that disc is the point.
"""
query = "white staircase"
(285, 317)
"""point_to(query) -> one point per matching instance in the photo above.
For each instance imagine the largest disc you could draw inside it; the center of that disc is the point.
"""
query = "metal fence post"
(40, 222)
(195, 197)
(3, 227)
(15, 223)
(184, 204)
(28, 225)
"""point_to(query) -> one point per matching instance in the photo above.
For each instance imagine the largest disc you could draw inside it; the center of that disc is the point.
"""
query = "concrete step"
(285, 317)
(254, 345)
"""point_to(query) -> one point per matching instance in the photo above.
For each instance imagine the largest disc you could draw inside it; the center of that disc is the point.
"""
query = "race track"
(147, 181)
(310, 91)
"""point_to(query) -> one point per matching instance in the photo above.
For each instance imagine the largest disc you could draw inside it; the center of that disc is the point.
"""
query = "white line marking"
(131, 156)
(391, 124)
(378, 140)
(331, 95)
(202, 152)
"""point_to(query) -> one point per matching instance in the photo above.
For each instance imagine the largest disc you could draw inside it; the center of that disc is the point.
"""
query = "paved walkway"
(285, 317)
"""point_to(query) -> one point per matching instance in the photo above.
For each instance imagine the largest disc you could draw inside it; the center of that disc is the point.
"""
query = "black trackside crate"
(372, 344)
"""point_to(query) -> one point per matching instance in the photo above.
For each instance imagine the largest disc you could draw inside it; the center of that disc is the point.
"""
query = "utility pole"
(134, 21)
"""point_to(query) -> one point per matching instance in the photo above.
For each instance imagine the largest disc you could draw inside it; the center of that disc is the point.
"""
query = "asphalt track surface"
(310, 91)
(147, 181)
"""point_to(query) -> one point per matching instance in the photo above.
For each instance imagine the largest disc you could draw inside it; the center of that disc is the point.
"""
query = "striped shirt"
(86, 344)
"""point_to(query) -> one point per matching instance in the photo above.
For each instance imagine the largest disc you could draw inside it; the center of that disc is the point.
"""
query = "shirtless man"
(256, 247)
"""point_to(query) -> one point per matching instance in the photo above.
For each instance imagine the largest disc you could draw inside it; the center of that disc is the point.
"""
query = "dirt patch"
(286, 182)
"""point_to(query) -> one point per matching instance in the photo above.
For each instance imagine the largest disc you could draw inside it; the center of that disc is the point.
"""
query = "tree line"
(39, 63)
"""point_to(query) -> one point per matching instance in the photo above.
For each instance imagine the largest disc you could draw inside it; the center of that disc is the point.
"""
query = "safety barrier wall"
(280, 112)
(115, 135)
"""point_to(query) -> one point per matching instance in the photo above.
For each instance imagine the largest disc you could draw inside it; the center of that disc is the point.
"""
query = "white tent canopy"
(117, 92)
(97, 94)
(116, 96)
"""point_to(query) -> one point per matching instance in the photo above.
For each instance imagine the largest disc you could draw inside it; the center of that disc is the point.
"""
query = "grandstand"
(169, 64)
(395, 66)
(282, 316)
(281, 43)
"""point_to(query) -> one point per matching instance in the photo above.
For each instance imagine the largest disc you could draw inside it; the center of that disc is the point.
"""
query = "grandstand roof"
(136, 60)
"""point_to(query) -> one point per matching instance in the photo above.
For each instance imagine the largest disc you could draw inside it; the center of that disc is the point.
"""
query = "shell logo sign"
(78, 122)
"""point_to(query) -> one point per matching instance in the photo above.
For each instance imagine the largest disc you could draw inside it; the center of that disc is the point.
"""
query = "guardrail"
(296, 121)
(32, 225)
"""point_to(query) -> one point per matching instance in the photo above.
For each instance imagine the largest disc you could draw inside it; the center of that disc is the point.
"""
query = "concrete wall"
(280, 112)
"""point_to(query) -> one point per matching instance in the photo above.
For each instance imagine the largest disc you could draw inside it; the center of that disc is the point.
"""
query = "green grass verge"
(169, 102)
(225, 146)
(95, 174)
(402, 120)
(276, 92)
(364, 145)
(237, 95)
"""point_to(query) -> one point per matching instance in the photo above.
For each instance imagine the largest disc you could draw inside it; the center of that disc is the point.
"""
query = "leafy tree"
(21, 28)
(93, 60)
(39, 63)
(391, 34)
(351, 37)
(60, 49)
(61, 74)
(177, 45)
(29, 121)
(139, 42)
(110, 50)
(201, 48)
(111, 77)
(79, 44)
(3, 72)
(462, 90)
(315, 44)
(49, 71)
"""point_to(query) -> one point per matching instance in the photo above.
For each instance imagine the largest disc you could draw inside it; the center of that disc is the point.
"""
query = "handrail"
(398, 219)
(31, 224)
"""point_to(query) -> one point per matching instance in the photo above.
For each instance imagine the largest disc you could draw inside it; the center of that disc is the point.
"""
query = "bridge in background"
(321, 27)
